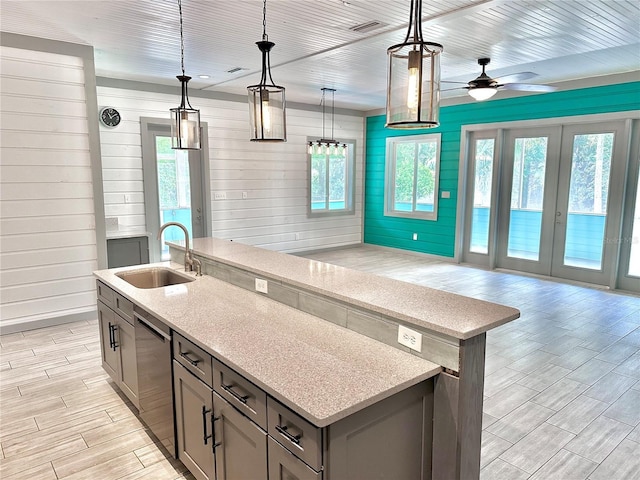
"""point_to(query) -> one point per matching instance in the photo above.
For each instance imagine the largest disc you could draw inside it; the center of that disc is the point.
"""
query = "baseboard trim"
(302, 253)
(431, 256)
(22, 325)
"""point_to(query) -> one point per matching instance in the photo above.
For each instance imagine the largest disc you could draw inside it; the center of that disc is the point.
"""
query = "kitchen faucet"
(189, 261)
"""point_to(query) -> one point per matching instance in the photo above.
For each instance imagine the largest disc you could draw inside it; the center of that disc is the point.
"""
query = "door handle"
(115, 343)
(205, 437)
(111, 341)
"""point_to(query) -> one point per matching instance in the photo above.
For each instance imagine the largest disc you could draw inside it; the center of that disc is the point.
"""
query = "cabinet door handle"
(111, 341)
(115, 342)
(193, 362)
(241, 398)
(205, 437)
(292, 438)
(214, 444)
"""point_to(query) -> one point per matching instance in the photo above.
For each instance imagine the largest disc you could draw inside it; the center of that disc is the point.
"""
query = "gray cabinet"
(108, 326)
(117, 340)
(122, 252)
(388, 440)
(241, 445)
(128, 373)
(194, 434)
(284, 465)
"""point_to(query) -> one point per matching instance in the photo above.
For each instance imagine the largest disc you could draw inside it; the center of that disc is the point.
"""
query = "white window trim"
(350, 186)
(389, 177)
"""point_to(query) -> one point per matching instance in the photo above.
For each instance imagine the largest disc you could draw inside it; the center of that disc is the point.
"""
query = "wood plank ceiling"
(316, 46)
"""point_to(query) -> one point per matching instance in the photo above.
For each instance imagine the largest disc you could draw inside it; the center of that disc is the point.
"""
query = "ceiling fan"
(484, 87)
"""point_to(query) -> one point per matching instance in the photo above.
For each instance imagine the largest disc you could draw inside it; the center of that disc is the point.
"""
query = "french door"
(550, 200)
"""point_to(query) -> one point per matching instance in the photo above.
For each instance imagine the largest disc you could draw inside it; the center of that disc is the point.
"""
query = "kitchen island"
(322, 343)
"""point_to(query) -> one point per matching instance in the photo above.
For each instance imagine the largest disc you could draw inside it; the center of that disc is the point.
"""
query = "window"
(411, 181)
(331, 181)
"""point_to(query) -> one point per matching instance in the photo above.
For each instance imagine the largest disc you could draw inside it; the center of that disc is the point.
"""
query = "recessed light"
(204, 76)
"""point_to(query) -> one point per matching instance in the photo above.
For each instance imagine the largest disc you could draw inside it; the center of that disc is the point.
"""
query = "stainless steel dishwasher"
(155, 385)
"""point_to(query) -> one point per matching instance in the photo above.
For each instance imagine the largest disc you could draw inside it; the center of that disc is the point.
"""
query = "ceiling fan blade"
(451, 89)
(515, 77)
(449, 81)
(526, 87)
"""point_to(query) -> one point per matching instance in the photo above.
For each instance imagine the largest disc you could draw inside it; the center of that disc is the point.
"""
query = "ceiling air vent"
(367, 26)
(236, 70)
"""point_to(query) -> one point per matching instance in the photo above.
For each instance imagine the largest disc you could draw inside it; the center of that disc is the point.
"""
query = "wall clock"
(110, 117)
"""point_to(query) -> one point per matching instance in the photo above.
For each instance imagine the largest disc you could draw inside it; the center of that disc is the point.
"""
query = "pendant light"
(413, 85)
(185, 120)
(266, 100)
(327, 145)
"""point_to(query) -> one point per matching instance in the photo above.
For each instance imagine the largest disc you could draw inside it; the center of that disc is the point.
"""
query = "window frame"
(390, 176)
(350, 166)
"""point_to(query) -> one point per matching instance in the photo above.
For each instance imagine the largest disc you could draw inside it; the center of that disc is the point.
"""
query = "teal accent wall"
(438, 237)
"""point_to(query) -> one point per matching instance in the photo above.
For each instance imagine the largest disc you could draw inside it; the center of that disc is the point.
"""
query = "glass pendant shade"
(413, 82)
(482, 93)
(267, 104)
(185, 122)
(413, 90)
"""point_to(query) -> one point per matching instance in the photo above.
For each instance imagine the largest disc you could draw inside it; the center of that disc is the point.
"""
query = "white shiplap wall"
(47, 221)
(274, 175)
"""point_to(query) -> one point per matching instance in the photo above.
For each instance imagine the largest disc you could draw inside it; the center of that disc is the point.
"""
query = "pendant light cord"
(324, 103)
(333, 109)
(415, 22)
(181, 37)
(264, 21)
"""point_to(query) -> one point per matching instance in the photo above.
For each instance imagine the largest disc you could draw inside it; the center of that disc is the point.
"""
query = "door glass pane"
(527, 194)
(634, 258)
(174, 191)
(588, 193)
(404, 174)
(483, 168)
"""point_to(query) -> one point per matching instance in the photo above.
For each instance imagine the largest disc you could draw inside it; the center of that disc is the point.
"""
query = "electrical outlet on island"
(261, 286)
(409, 338)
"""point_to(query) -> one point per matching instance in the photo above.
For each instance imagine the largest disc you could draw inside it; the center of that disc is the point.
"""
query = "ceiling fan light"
(483, 93)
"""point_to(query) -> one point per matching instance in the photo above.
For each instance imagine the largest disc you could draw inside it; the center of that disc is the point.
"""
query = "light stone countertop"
(443, 312)
(320, 370)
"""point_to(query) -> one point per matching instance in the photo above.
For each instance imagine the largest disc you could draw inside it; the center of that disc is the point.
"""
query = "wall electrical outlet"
(415, 236)
(445, 194)
(220, 195)
(262, 285)
(409, 338)
(245, 195)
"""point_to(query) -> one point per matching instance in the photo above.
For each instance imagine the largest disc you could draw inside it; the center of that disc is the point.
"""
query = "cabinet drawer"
(123, 307)
(241, 393)
(295, 433)
(284, 465)
(194, 359)
(105, 294)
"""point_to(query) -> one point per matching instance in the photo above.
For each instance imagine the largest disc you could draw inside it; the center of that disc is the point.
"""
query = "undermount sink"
(154, 277)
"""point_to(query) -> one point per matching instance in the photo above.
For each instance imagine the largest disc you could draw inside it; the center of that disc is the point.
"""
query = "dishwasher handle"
(152, 328)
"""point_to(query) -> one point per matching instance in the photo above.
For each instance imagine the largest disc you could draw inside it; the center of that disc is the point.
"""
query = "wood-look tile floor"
(562, 383)
(562, 386)
(61, 416)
